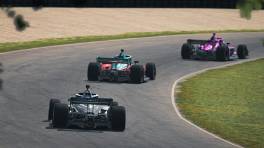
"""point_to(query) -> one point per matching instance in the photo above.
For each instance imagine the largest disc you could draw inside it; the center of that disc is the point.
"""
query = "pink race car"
(213, 49)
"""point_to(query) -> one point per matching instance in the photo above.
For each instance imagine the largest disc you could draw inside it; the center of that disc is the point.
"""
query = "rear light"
(106, 66)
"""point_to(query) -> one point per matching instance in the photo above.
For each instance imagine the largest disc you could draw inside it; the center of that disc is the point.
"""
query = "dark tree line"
(246, 7)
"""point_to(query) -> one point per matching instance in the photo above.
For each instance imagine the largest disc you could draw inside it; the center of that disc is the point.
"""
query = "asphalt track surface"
(31, 78)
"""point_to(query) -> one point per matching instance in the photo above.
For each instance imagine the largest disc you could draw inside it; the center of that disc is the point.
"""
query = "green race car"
(120, 68)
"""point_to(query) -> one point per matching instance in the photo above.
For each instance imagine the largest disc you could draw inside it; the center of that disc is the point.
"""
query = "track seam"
(181, 79)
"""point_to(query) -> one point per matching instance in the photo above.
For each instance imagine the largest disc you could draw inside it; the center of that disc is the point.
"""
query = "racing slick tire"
(222, 53)
(242, 51)
(118, 118)
(51, 107)
(151, 71)
(186, 51)
(93, 71)
(137, 74)
(60, 115)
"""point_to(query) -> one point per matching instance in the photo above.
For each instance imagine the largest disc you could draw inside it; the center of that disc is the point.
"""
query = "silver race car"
(87, 110)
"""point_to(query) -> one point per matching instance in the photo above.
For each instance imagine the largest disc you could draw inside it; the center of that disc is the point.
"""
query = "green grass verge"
(11, 46)
(228, 102)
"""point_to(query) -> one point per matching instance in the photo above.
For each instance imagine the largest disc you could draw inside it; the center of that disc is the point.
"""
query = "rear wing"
(113, 59)
(193, 41)
(93, 101)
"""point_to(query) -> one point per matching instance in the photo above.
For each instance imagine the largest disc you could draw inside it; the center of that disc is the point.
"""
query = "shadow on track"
(78, 129)
(115, 82)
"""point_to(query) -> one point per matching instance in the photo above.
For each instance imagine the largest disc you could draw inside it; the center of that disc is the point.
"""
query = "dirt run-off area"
(68, 22)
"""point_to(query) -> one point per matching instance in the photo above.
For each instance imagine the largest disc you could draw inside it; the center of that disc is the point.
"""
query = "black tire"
(60, 115)
(51, 107)
(93, 71)
(242, 51)
(137, 73)
(117, 116)
(114, 103)
(222, 53)
(151, 71)
(186, 51)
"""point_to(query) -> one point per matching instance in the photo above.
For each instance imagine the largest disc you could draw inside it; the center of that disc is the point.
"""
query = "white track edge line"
(173, 97)
(83, 43)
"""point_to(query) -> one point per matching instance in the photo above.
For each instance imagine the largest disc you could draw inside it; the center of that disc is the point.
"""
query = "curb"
(173, 97)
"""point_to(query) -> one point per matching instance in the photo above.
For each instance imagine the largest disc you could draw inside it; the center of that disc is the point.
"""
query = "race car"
(213, 49)
(87, 110)
(120, 68)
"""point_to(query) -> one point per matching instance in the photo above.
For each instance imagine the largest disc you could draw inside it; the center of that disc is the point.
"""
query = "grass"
(228, 102)
(11, 46)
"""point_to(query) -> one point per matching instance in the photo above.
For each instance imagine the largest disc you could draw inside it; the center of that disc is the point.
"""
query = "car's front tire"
(151, 71)
(242, 51)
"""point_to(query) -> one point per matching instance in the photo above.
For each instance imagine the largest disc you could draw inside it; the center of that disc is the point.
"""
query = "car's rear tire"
(118, 118)
(93, 71)
(186, 51)
(242, 51)
(151, 71)
(222, 53)
(60, 115)
(114, 103)
(51, 107)
(137, 73)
